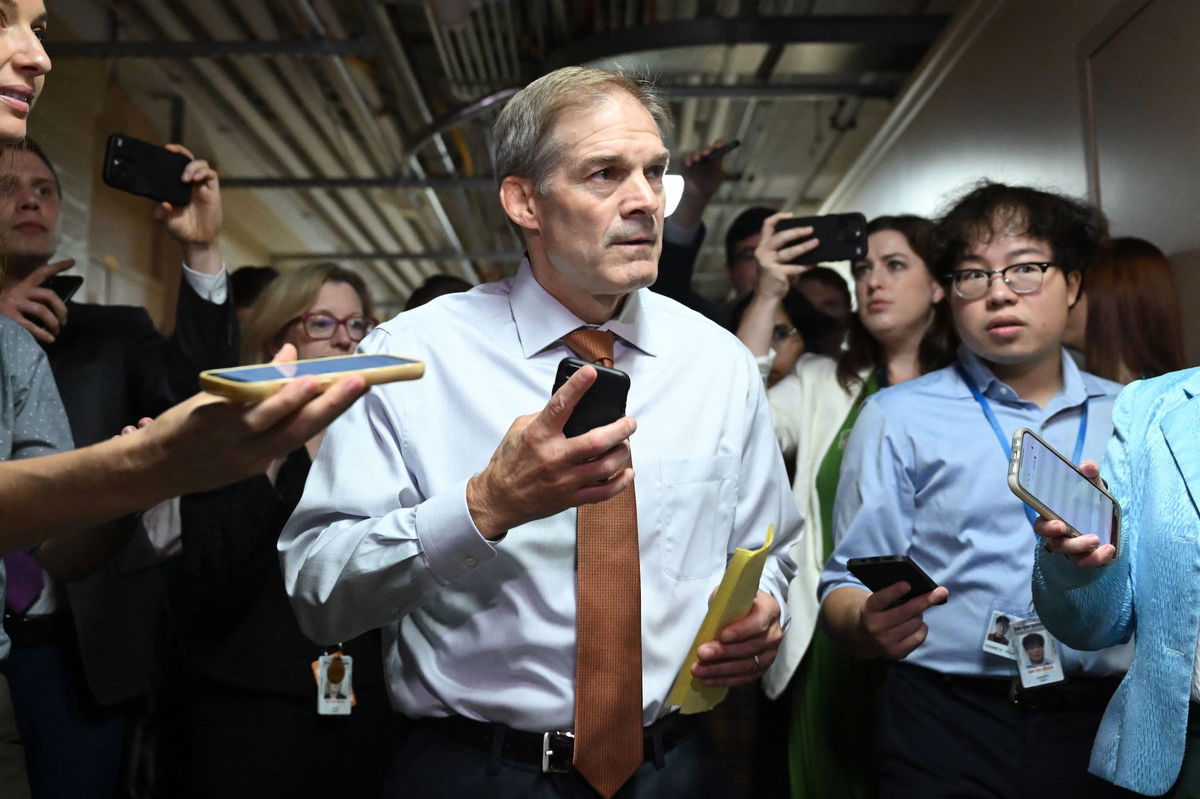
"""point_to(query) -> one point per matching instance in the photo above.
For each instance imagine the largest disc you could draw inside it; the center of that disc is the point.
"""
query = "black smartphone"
(64, 286)
(881, 571)
(843, 237)
(721, 151)
(146, 169)
(603, 403)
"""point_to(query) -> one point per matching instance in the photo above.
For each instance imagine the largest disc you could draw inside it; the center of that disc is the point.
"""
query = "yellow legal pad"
(732, 601)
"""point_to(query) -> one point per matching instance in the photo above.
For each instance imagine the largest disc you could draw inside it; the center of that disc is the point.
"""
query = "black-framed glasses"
(320, 326)
(782, 332)
(1026, 278)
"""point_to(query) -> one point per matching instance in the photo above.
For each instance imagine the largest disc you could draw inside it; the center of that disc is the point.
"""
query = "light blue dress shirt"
(925, 475)
(383, 537)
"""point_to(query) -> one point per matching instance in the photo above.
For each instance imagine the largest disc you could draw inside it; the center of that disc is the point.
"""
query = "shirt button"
(470, 562)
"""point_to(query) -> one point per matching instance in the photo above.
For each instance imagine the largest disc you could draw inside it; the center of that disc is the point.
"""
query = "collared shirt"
(925, 475)
(383, 537)
(32, 419)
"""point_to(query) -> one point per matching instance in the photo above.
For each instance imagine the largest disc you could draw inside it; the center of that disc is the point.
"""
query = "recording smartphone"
(1055, 488)
(843, 237)
(64, 286)
(603, 403)
(881, 571)
(146, 169)
(720, 152)
(253, 383)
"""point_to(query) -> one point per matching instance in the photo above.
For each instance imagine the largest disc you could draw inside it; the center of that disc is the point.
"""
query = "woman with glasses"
(247, 724)
(901, 330)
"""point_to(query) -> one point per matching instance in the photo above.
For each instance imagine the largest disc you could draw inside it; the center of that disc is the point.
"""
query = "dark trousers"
(945, 737)
(432, 767)
(73, 747)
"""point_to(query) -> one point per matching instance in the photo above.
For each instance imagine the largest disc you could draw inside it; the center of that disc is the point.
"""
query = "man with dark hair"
(827, 290)
(90, 644)
(925, 474)
(1034, 645)
(245, 284)
(433, 287)
(537, 597)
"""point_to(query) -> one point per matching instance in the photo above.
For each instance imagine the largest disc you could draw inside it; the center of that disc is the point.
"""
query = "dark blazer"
(113, 367)
(676, 265)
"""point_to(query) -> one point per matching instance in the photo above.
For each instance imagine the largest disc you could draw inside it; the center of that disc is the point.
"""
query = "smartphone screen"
(322, 366)
(1058, 485)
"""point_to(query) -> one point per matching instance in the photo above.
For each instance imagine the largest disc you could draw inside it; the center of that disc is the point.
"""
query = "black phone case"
(603, 403)
(146, 169)
(64, 286)
(843, 237)
(881, 571)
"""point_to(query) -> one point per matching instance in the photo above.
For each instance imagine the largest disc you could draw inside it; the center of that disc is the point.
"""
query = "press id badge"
(335, 693)
(997, 638)
(1039, 660)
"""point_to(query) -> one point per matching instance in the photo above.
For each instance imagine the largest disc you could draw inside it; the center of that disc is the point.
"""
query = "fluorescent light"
(673, 186)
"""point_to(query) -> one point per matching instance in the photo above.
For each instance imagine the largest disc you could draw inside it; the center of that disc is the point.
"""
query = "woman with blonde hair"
(248, 721)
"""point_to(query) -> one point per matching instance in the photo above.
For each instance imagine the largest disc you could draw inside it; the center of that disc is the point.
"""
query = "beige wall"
(1003, 98)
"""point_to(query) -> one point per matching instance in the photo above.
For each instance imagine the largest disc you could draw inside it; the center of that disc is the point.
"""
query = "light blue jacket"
(1153, 468)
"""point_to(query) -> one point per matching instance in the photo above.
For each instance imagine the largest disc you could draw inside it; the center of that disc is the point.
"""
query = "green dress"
(835, 696)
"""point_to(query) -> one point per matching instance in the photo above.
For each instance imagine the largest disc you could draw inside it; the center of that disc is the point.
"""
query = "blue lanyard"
(1030, 513)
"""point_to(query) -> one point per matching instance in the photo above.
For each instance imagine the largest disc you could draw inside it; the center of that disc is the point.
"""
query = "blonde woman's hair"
(287, 297)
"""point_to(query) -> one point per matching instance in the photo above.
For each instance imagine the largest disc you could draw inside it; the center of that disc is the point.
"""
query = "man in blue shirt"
(924, 475)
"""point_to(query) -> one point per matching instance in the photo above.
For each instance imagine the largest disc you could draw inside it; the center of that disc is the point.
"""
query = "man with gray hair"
(538, 592)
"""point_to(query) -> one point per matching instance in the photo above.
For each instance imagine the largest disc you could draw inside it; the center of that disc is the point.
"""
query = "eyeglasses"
(971, 284)
(781, 332)
(321, 326)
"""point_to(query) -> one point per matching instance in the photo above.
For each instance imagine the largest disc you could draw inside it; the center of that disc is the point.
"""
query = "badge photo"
(998, 638)
(335, 695)
(1038, 656)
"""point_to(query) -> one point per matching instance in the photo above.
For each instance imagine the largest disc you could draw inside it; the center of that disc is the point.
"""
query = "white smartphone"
(1055, 488)
(253, 383)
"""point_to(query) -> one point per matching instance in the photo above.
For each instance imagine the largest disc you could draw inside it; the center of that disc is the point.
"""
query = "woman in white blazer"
(901, 330)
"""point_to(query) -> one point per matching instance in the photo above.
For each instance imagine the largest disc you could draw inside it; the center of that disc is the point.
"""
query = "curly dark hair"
(1075, 230)
(939, 343)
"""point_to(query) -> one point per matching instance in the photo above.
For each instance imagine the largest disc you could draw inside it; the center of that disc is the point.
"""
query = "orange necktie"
(608, 667)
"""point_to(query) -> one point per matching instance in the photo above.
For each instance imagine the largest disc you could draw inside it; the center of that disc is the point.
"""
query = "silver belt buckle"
(555, 745)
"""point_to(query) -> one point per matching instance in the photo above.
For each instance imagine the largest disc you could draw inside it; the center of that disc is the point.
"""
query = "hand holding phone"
(1067, 498)
(842, 237)
(889, 620)
(256, 382)
(534, 473)
(34, 301)
(883, 571)
(146, 169)
(64, 286)
(604, 402)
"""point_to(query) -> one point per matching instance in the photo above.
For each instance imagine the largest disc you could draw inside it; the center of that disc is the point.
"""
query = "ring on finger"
(757, 664)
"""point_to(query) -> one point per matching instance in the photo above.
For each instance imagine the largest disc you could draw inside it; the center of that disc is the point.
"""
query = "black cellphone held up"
(146, 169)
(603, 403)
(843, 237)
(64, 286)
(881, 571)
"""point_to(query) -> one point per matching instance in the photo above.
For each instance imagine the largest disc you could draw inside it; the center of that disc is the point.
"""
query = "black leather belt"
(552, 751)
(1074, 693)
(38, 630)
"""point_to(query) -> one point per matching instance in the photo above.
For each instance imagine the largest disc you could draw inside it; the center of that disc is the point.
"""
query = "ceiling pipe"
(378, 21)
(265, 130)
(173, 49)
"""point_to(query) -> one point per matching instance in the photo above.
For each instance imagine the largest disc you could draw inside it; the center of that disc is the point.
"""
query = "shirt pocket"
(695, 514)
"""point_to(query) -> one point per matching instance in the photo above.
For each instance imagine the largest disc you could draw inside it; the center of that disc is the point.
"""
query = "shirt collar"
(1077, 385)
(541, 320)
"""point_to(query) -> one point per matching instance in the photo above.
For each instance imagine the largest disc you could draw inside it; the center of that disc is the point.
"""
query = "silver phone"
(1053, 486)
